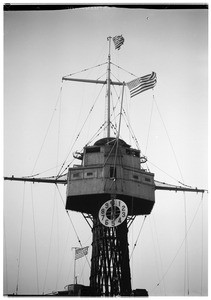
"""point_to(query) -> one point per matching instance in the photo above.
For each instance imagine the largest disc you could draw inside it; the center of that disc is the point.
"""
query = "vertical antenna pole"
(108, 86)
(74, 270)
(120, 117)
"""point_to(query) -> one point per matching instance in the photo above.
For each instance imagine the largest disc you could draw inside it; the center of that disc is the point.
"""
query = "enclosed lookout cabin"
(110, 169)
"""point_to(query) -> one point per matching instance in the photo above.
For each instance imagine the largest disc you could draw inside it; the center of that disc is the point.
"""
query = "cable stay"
(77, 137)
(5, 257)
(49, 125)
(135, 244)
(87, 69)
(35, 241)
(67, 211)
(20, 242)
(180, 246)
(124, 70)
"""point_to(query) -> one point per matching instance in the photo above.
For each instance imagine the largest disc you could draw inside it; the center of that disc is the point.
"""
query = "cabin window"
(147, 179)
(89, 174)
(76, 175)
(136, 153)
(112, 172)
(135, 177)
(92, 149)
(133, 152)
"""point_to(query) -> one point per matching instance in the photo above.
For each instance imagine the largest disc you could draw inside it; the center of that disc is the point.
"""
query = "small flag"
(142, 84)
(118, 41)
(80, 252)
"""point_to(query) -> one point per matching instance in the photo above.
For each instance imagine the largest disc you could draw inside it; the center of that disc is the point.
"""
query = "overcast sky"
(40, 47)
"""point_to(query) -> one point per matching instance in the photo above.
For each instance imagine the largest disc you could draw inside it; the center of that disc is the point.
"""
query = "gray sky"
(40, 48)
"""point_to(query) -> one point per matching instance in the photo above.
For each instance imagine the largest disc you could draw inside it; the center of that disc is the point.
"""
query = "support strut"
(110, 270)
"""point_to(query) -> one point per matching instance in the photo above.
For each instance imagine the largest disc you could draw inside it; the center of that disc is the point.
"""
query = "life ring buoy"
(143, 159)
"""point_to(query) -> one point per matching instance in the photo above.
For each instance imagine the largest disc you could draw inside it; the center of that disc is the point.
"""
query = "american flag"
(142, 84)
(118, 41)
(80, 252)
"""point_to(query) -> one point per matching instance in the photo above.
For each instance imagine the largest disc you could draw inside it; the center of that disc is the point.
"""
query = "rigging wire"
(178, 250)
(71, 224)
(100, 130)
(128, 125)
(20, 243)
(78, 135)
(123, 69)
(117, 140)
(102, 127)
(155, 253)
(77, 235)
(5, 259)
(186, 270)
(49, 249)
(167, 173)
(113, 107)
(62, 173)
(105, 114)
(35, 240)
(130, 129)
(186, 264)
(63, 255)
(79, 241)
(57, 216)
(127, 116)
(114, 128)
(202, 245)
(150, 120)
(40, 173)
(115, 77)
(58, 248)
(58, 138)
(159, 252)
(51, 119)
(135, 244)
(84, 70)
(101, 76)
(168, 138)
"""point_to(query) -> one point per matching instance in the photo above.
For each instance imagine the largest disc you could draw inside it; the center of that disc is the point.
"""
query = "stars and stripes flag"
(80, 252)
(118, 41)
(142, 84)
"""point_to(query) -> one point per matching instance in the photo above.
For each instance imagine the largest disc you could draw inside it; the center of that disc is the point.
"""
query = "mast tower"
(110, 188)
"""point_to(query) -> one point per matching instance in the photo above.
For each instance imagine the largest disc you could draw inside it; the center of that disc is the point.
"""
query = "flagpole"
(74, 270)
(108, 85)
(74, 267)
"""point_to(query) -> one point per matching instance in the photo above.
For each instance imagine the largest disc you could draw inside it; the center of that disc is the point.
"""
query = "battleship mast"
(110, 188)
